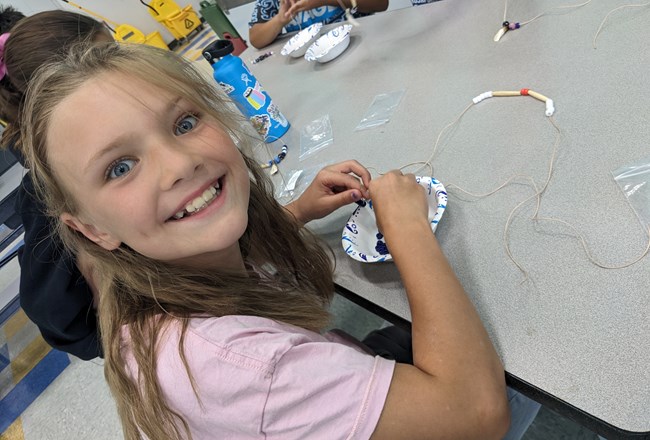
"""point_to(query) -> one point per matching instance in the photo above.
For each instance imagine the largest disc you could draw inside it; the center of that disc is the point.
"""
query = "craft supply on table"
(550, 106)
(262, 57)
(315, 136)
(362, 240)
(330, 45)
(600, 28)
(299, 43)
(511, 25)
(242, 87)
(273, 163)
(381, 109)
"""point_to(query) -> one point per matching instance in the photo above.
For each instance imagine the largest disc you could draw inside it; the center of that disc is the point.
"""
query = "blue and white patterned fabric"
(267, 9)
(422, 2)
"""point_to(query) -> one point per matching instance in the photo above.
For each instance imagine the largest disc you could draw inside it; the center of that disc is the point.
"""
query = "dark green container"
(217, 20)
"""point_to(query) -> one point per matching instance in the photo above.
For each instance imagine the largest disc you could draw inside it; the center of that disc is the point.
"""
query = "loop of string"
(537, 195)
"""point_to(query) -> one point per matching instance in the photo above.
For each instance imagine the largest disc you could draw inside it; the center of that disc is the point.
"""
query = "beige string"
(505, 29)
(521, 23)
(537, 192)
(348, 14)
(636, 5)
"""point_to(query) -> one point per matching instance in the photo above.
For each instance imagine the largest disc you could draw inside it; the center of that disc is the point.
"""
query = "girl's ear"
(103, 239)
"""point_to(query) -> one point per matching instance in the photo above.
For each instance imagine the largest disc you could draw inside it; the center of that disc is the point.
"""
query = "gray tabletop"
(579, 332)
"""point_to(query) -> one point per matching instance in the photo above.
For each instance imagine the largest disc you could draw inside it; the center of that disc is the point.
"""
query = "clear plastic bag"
(295, 182)
(381, 110)
(634, 181)
(315, 136)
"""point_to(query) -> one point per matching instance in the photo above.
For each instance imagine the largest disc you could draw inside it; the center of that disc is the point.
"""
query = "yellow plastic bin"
(156, 40)
(129, 34)
(179, 22)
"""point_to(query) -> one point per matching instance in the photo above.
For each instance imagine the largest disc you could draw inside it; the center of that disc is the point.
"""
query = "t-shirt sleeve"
(263, 11)
(325, 390)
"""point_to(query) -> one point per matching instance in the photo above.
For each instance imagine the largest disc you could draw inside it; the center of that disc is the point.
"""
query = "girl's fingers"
(338, 181)
(352, 166)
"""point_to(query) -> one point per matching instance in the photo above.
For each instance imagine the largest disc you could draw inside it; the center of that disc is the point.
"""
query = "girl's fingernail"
(355, 196)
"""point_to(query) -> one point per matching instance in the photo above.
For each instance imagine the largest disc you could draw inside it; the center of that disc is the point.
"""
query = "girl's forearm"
(449, 340)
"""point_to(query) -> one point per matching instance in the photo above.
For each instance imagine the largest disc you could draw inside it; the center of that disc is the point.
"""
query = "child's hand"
(303, 5)
(283, 13)
(399, 203)
(332, 188)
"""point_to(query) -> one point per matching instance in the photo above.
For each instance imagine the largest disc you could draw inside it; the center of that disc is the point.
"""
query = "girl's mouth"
(201, 202)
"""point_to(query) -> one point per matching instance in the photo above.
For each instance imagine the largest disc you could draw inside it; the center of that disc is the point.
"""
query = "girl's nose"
(177, 163)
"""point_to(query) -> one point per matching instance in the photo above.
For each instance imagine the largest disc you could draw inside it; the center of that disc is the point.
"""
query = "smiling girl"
(213, 296)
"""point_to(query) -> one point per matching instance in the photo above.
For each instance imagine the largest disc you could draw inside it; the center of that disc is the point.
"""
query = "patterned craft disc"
(364, 242)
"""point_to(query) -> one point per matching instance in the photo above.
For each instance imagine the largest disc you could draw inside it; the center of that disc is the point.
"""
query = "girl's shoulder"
(254, 373)
(248, 342)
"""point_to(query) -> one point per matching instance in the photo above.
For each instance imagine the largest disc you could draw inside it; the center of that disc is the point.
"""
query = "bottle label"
(255, 103)
(255, 97)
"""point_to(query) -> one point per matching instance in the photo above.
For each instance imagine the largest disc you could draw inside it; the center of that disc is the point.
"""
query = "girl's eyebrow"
(113, 145)
(121, 140)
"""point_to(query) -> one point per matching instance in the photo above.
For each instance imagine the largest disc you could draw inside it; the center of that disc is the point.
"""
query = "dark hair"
(34, 41)
(8, 18)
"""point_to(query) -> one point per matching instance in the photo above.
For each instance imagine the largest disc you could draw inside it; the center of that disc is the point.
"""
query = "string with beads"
(275, 160)
(507, 25)
(538, 192)
(524, 179)
(273, 163)
(600, 28)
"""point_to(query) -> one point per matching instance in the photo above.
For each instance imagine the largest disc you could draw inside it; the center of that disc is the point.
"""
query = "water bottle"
(243, 88)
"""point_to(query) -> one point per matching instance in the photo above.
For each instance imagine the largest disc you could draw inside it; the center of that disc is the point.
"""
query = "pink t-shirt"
(261, 379)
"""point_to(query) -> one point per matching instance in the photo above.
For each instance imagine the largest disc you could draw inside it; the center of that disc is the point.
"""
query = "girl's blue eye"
(185, 124)
(120, 168)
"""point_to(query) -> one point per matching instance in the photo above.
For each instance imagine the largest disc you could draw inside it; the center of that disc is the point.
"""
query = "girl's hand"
(334, 186)
(399, 203)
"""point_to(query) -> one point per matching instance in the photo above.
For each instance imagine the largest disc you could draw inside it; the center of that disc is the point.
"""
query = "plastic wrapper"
(634, 181)
(381, 110)
(295, 182)
(315, 136)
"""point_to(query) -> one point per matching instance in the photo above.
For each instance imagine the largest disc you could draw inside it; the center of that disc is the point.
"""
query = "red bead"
(524, 92)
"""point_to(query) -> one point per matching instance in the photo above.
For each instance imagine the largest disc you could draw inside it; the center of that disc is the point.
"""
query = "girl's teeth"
(201, 201)
(198, 202)
(207, 195)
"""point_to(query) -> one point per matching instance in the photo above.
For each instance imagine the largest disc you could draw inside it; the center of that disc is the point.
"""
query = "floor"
(47, 395)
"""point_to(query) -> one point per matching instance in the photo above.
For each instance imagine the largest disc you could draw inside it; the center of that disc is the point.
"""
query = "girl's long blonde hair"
(144, 294)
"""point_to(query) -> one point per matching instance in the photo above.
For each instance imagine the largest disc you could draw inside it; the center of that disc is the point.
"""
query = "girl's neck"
(229, 259)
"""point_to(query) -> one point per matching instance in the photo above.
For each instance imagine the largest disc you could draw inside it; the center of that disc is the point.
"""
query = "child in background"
(271, 17)
(53, 292)
(212, 296)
